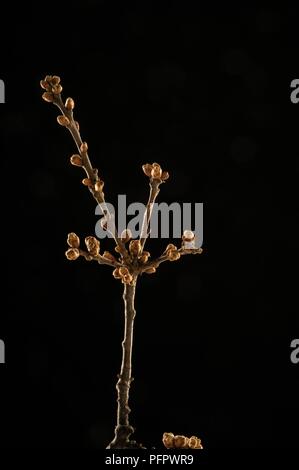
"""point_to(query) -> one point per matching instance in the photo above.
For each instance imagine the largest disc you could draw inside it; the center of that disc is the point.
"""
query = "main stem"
(123, 429)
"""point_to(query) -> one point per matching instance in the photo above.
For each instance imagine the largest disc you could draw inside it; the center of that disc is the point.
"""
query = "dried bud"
(127, 279)
(135, 247)
(167, 440)
(55, 80)
(116, 273)
(63, 120)
(45, 85)
(144, 257)
(70, 104)
(76, 160)
(87, 182)
(195, 443)
(117, 249)
(165, 175)
(147, 168)
(156, 172)
(47, 96)
(77, 125)
(57, 89)
(180, 442)
(109, 256)
(188, 236)
(72, 254)
(73, 240)
(99, 186)
(170, 247)
(48, 78)
(92, 245)
(126, 235)
(84, 147)
(150, 270)
(173, 255)
(123, 271)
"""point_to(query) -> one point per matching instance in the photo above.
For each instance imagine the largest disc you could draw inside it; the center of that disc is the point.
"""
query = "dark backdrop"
(203, 90)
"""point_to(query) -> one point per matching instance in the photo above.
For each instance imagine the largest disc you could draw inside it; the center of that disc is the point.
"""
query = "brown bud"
(150, 270)
(123, 271)
(144, 257)
(47, 96)
(127, 279)
(126, 235)
(73, 240)
(116, 273)
(135, 247)
(84, 147)
(92, 245)
(57, 89)
(156, 172)
(180, 442)
(147, 168)
(170, 247)
(109, 256)
(45, 85)
(99, 186)
(48, 78)
(117, 249)
(195, 443)
(165, 175)
(76, 160)
(55, 80)
(167, 440)
(70, 104)
(173, 255)
(72, 254)
(77, 125)
(63, 120)
(87, 182)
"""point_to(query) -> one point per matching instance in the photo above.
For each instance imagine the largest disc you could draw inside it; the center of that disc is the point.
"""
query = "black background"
(205, 91)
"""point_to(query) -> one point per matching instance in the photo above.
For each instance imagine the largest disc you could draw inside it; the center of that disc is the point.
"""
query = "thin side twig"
(155, 263)
(154, 191)
(91, 172)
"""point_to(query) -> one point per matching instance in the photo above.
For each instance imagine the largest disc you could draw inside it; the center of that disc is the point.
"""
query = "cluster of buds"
(73, 242)
(51, 84)
(171, 441)
(154, 171)
(143, 259)
(172, 252)
(135, 248)
(92, 245)
(123, 274)
(188, 239)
